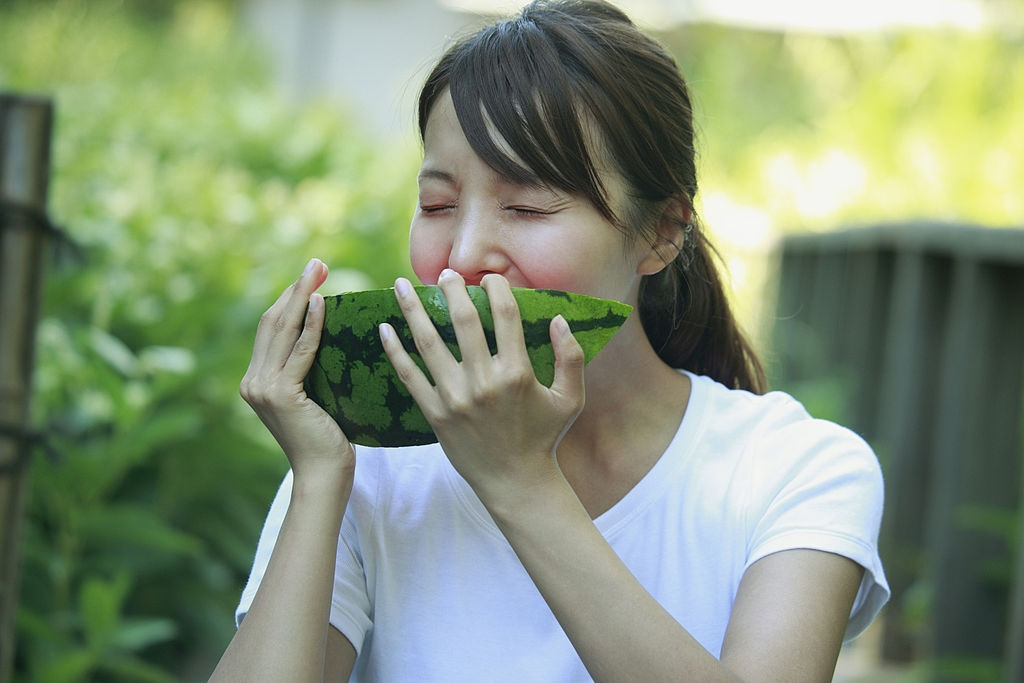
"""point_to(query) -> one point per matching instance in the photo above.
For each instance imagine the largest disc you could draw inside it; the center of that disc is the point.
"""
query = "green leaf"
(135, 526)
(171, 359)
(100, 604)
(135, 670)
(135, 634)
(113, 351)
(71, 666)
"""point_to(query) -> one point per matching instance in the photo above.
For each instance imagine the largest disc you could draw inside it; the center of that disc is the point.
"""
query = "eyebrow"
(436, 174)
(449, 178)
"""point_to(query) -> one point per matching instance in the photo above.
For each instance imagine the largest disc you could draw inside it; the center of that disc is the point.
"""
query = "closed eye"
(528, 211)
(436, 208)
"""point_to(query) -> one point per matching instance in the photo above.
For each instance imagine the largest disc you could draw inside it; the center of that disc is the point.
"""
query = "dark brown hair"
(548, 78)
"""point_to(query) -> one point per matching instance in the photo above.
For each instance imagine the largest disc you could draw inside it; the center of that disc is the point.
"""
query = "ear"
(671, 233)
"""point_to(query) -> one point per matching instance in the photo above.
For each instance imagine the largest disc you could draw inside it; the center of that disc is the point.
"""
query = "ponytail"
(688, 319)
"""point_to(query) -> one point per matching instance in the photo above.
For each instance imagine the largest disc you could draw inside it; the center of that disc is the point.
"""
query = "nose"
(477, 248)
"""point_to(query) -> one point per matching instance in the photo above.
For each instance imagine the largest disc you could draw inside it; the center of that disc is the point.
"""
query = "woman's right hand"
(286, 343)
(286, 634)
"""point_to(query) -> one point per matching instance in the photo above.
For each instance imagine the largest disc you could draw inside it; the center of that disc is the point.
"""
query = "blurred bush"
(194, 197)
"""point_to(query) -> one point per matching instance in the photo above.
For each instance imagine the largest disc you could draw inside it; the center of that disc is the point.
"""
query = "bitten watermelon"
(353, 380)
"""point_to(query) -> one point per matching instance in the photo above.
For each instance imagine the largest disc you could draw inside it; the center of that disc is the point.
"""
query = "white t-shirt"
(428, 589)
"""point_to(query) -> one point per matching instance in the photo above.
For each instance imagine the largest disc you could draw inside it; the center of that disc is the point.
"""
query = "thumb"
(569, 361)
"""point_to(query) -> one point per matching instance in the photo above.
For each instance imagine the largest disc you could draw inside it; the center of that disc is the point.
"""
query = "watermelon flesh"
(354, 382)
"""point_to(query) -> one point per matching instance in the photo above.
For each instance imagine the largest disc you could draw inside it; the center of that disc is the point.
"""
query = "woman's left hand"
(498, 425)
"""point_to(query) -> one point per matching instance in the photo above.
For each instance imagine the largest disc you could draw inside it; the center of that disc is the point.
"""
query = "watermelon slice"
(353, 380)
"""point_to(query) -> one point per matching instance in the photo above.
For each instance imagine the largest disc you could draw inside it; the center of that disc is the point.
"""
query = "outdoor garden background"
(192, 188)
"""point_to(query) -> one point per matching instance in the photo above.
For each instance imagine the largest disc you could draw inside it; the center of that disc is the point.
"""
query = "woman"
(652, 517)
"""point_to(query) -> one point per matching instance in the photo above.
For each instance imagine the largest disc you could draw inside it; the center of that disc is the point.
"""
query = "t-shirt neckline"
(660, 476)
(637, 499)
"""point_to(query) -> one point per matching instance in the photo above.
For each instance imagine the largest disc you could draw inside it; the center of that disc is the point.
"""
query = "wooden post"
(976, 465)
(906, 424)
(25, 129)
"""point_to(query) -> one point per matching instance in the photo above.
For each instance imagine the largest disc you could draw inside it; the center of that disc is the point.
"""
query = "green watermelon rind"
(353, 381)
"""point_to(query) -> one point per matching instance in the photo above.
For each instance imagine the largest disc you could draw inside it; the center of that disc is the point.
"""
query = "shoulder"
(774, 427)
(783, 461)
(804, 482)
(747, 407)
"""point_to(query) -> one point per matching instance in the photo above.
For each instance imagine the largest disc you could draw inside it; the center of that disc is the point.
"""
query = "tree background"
(193, 192)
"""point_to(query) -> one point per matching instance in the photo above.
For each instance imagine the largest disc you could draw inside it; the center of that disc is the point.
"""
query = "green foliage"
(813, 130)
(966, 670)
(998, 523)
(194, 197)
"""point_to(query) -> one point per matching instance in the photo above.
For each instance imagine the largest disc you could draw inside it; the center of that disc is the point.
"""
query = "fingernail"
(446, 273)
(309, 266)
(385, 331)
(562, 325)
(403, 287)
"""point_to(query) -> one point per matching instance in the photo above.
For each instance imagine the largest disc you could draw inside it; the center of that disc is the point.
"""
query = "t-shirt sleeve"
(818, 485)
(350, 602)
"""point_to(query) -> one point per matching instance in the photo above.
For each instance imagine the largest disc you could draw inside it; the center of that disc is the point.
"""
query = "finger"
(284, 324)
(465, 318)
(508, 323)
(263, 330)
(300, 360)
(428, 342)
(569, 362)
(405, 367)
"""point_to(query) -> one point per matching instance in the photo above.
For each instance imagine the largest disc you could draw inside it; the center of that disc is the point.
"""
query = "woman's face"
(475, 222)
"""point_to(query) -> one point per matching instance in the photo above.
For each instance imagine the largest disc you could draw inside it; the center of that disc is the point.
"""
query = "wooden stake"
(25, 128)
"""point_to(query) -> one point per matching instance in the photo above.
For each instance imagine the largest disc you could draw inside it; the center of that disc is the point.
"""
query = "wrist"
(514, 503)
(323, 479)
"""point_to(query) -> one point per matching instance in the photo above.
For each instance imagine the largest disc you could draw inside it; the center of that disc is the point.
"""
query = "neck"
(634, 404)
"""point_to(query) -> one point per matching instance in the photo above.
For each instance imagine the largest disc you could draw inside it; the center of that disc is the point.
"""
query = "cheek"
(552, 275)
(555, 268)
(428, 256)
(601, 272)
(567, 263)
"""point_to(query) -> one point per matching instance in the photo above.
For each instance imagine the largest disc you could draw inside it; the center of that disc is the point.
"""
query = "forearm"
(619, 631)
(283, 636)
